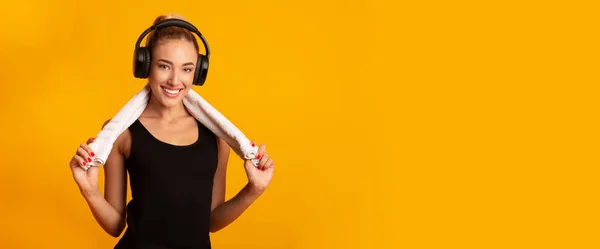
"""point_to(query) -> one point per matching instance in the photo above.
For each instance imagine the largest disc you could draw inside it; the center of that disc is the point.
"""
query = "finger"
(263, 159)
(80, 162)
(88, 149)
(262, 149)
(90, 140)
(269, 164)
(92, 171)
(74, 161)
(84, 154)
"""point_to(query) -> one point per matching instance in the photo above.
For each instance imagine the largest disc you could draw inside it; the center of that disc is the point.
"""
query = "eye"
(187, 69)
(163, 66)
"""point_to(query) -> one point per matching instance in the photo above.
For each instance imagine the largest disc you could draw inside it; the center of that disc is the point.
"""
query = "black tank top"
(171, 188)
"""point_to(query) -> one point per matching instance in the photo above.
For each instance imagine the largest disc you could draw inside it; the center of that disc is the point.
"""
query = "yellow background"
(438, 124)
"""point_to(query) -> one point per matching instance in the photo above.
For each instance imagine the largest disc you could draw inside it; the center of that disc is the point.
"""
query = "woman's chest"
(181, 133)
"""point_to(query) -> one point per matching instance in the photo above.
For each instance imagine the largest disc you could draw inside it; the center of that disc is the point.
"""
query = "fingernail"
(253, 144)
(257, 156)
(89, 159)
(92, 154)
(84, 163)
(93, 139)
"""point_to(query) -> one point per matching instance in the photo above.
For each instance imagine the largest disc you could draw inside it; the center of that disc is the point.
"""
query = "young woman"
(177, 166)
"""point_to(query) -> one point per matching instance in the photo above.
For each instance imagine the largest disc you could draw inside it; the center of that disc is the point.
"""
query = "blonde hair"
(169, 32)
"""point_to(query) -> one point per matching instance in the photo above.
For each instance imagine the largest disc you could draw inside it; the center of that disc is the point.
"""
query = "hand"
(85, 176)
(260, 176)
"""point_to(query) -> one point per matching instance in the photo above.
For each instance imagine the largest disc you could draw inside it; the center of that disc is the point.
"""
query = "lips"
(171, 92)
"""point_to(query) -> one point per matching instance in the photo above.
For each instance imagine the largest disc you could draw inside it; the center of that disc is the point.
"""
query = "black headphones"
(142, 55)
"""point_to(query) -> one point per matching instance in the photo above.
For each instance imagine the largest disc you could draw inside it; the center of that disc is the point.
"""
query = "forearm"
(229, 211)
(105, 214)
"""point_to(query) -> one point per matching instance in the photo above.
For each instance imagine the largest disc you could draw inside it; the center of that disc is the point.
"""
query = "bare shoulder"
(223, 150)
(105, 123)
(222, 146)
(123, 141)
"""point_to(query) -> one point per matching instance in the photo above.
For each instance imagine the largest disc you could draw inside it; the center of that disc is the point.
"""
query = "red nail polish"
(89, 159)
(257, 156)
(253, 145)
(84, 163)
(92, 154)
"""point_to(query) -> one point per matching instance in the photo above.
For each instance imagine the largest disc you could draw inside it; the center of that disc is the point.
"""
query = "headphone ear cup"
(201, 70)
(147, 60)
(141, 63)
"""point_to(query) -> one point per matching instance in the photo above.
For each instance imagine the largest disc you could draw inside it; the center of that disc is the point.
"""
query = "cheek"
(189, 75)
(158, 75)
(187, 78)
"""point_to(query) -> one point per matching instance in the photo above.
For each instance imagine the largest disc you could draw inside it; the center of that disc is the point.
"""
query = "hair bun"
(168, 16)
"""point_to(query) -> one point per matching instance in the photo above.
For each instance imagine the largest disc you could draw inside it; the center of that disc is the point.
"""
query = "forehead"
(176, 50)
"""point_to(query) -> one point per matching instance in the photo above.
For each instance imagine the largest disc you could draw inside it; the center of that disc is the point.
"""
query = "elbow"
(116, 232)
(213, 228)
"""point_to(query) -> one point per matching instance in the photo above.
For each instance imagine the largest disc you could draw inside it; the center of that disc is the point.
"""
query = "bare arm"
(219, 186)
(229, 211)
(109, 211)
(224, 213)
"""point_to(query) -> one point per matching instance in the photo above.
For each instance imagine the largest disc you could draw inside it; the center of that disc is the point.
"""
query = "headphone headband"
(173, 22)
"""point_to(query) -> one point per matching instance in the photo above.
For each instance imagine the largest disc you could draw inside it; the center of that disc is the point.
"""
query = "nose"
(173, 78)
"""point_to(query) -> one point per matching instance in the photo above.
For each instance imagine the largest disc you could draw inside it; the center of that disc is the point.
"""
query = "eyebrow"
(171, 63)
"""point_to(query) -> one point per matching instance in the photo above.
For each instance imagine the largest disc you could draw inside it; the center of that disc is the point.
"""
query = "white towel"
(195, 104)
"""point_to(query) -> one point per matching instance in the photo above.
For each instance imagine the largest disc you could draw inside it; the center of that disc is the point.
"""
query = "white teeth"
(171, 91)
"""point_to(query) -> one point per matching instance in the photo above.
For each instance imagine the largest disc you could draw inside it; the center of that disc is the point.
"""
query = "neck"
(172, 113)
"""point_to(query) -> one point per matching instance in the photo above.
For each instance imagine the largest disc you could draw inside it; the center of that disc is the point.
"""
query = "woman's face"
(172, 70)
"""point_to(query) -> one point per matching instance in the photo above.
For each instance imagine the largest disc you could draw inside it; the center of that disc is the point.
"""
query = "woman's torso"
(171, 177)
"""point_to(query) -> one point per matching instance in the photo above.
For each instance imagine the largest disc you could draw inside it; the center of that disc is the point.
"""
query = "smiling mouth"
(171, 92)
